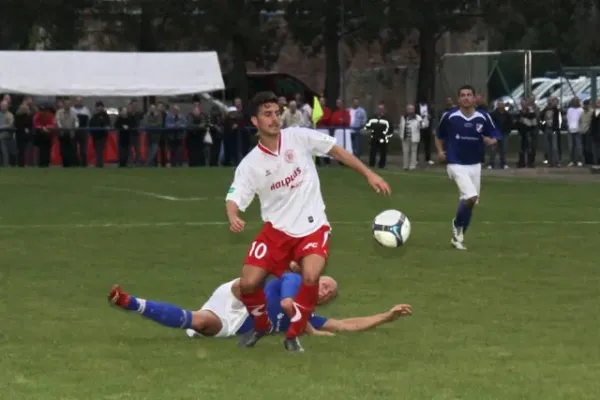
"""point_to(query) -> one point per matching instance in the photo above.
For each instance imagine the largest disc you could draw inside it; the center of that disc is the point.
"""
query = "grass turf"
(515, 317)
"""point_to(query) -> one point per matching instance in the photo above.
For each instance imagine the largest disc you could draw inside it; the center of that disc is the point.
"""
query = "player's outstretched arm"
(236, 224)
(365, 323)
(350, 160)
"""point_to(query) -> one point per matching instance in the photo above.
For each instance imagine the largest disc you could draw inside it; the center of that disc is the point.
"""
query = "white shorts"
(467, 179)
(227, 308)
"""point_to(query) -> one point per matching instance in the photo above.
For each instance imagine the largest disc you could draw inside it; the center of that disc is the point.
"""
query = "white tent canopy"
(91, 73)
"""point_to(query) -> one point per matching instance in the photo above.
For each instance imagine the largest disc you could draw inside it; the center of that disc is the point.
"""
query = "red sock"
(256, 304)
(304, 304)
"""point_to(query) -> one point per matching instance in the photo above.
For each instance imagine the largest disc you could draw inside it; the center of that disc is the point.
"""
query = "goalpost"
(495, 74)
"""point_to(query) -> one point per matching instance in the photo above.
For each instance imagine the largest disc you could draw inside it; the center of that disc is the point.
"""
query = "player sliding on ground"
(281, 171)
(462, 133)
(224, 315)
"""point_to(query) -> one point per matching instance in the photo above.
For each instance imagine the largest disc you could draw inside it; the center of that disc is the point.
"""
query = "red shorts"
(273, 250)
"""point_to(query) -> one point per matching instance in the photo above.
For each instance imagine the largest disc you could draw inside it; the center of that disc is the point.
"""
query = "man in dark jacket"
(551, 122)
(99, 125)
(381, 130)
(504, 123)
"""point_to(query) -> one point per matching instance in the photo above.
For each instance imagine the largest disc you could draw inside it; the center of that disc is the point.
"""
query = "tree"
(570, 27)
(432, 19)
(234, 28)
(320, 25)
(55, 24)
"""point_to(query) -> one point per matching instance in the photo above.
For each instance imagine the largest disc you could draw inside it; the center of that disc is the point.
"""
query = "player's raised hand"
(379, 184)
(401, 310)
(236, 224)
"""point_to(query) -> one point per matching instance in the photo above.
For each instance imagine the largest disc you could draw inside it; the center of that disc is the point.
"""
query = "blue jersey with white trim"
(275, 290)
(463, 136)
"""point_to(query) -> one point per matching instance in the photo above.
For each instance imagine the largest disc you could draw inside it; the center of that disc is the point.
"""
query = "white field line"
(127, 225)
(150, 194)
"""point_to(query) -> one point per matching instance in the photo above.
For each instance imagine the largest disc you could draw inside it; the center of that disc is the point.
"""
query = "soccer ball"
(391, 228)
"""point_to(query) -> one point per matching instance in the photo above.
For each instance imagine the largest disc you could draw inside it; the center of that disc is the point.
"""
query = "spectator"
(340, 120)
(304, 107)
(162, 144)
(282, 101)
(100, 124)
(7, 134)
(81, 135)
(198, 129)
(449, 104)
(124, 125)
(293, 117)
(323, 126)
(585, 123)
(24, 135)
(137, 116)
(44, 124)
(527, 127)
(424, 110)
(176, 124)
(595, 129)
(551, 122)
(67, 122)
(230, 139)
(480, 102)
(242, 126)
(381, 129)
(574, 136)
(503, 121)
(215, 138)
(153, 124)
(410, 132)
(358, 119)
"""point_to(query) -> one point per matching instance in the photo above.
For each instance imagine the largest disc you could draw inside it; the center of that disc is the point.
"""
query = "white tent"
(90, 73)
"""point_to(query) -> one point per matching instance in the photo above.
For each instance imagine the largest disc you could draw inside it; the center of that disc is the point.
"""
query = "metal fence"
(492, 74)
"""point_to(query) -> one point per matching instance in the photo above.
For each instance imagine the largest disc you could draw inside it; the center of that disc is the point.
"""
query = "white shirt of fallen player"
(286, 182)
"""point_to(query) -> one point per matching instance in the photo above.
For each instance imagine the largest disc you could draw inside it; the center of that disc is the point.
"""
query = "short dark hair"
(466, 87)
(260, 99)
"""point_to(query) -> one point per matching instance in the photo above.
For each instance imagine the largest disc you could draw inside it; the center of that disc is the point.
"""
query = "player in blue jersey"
(461, 138)
(224, 315)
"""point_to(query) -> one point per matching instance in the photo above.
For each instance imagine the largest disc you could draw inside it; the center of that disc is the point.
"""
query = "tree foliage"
(235, 29)
(570, 27)
(53, 24)
(320, 26)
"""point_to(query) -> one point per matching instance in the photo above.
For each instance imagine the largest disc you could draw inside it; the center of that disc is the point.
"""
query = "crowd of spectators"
(165, 136)
(208, 137)
(580, 123)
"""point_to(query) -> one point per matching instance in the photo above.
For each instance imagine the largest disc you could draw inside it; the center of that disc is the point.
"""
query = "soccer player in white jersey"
(281, 171)
(462, 133)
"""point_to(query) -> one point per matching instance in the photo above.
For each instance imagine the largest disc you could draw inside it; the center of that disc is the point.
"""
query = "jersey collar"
(269, 152)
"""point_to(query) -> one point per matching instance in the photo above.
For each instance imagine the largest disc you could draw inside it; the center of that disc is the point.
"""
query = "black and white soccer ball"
(391, 228)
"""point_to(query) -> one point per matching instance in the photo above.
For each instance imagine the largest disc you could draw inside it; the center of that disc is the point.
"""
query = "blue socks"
(463, 216)
(163, 313)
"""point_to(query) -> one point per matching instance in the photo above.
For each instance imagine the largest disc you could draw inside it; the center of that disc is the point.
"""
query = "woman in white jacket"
(410, 133)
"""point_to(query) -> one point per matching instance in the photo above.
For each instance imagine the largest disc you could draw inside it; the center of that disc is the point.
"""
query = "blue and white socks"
(463, 216)
(165, 314)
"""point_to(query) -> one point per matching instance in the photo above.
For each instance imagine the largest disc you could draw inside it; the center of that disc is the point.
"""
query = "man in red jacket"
(340, 120)
(341, 116)
(44, 124)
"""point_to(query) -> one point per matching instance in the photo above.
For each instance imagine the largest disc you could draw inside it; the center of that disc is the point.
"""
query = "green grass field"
(515, 317)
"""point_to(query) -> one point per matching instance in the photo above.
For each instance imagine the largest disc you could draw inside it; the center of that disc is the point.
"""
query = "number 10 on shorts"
(258, 250)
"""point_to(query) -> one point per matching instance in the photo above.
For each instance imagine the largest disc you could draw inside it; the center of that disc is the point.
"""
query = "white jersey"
(286, 182)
